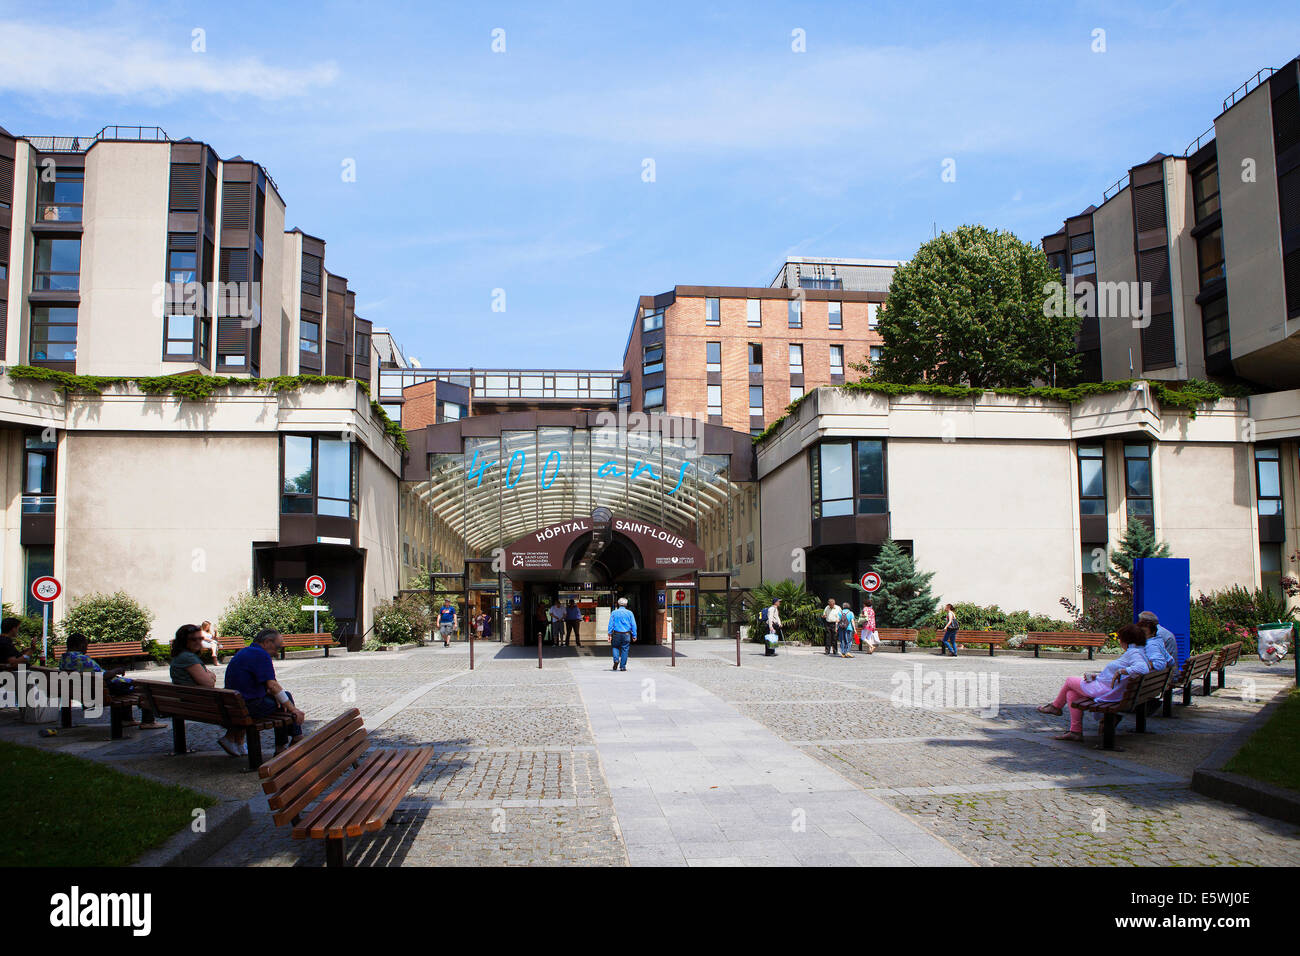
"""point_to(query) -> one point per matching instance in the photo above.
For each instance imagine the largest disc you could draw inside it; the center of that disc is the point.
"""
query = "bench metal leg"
(254, 739)
(990, 650)
(903, 645)
(1035, 650)
(65, 715)
(327, 652)
(1223, 676)
(1140, 714)
(178, 736)
(1090, 650)
(1167, 709)
(335, 852)
(1187, 694)
(1205, 684)
(1108, 731)
(114, 722)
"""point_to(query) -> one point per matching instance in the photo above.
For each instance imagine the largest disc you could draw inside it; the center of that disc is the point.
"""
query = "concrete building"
(132, 255)
(1192, 261)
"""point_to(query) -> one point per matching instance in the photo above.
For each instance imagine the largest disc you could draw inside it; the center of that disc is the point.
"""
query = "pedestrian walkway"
(696, 782)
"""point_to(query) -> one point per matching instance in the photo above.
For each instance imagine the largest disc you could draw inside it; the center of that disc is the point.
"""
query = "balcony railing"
(1241, 91)
(510, 384)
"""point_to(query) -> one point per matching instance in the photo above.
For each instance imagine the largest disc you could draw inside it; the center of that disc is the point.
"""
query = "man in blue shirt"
(622, 632)
(447, 622)
(1159, 635)
(252, 673)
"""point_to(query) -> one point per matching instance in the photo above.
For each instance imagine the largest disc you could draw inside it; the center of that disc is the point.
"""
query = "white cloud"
(44, 60)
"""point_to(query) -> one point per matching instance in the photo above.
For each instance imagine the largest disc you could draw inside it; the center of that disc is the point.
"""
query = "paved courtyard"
(800, 759)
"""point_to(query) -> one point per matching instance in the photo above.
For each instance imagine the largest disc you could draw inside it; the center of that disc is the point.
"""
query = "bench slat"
(336, 808)
(1065, 638)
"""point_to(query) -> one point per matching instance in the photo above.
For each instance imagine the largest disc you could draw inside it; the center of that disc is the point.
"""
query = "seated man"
(252, 673)
(1161, 634)
(75, 659)
(9, 653)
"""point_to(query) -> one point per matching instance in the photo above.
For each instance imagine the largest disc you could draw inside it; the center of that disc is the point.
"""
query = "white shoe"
(232, 748)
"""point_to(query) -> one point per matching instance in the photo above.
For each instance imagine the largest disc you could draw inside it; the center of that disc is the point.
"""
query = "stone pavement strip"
(696, 782)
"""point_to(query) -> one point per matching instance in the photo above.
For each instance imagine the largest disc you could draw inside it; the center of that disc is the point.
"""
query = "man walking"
(831, 617)
(622, 632)
(773, 628)
(557, 622)
(447, 621)
(572, 618)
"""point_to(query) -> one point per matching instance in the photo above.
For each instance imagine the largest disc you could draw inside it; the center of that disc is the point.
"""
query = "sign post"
(316, 588)
(46, 590)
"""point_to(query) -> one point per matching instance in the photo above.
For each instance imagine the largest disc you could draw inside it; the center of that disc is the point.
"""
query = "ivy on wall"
(1187, 396)
(199, 387)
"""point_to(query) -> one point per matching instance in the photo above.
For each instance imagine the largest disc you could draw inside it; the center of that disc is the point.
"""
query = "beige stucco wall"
(785, 518)
(168, 518)
(12, 571)
(378, 535)
(124, 260)
(1184, 273)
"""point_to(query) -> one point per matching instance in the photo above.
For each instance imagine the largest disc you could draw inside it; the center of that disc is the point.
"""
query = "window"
(1268, 481)
(178, 336)
(1270, 567)
(876, 352)
(56, 265)
(834, 315)
(796, 392)
(871, 477)
(361, 349)
(1137, 481)
(652, 319)
(753, 313)
(712, 313)
(756, 401)
(54, 334)
(654, 397)
(625, 393)
(1092, 480)
(231, 360)
(60, 200)
(837, 360)
(38, 475)
(794, 313)
(309, 336)
(40, 563)
(796, 359)
(832, 474)
(715, 399)
(1214, 317)
(755, 358)
(319, 476)
(873, 316)
(652, 359)
(1205, 190)
(713, 356)
(182, 259)
(1209, 253)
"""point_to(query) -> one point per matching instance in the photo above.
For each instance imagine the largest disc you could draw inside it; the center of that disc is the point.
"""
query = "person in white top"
(773, 628)
(831, 615)
(1104, 687)
(208, 639)
(557, 622)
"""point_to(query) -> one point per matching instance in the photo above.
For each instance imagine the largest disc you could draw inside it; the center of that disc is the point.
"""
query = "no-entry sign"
(46, 589)
(680, 596)
(316, 585)
(870, 581)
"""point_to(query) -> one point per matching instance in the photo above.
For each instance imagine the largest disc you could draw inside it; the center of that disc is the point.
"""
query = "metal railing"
(1246, 87)
(1199, 141)
(1115, 189)
(79, 144)
(522, 384)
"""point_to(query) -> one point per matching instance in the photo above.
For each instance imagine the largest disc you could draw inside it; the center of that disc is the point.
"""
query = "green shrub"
(403, 621)
(106, 617)
(248, 613)
(973, 617)
(801, 618)
(1223, 617)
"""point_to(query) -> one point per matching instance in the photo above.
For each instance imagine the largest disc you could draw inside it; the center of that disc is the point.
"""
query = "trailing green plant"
(800, 610)
(199, 387)
(404, 620)
(107, 617)
(278, 608)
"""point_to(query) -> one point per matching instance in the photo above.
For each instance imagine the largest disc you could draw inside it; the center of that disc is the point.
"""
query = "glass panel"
(835, 315)
(795, 313)
(335, 460)
(1270, 484)
(36, 465)
(1092, 478)
(753, 314)
(654, 397)
(1139, 478)
(873, 506)
(297, 464)
(836, 472)
(713, 353)
(871, 468)
(1137, 451)
(1092, 506)
(1141, 507)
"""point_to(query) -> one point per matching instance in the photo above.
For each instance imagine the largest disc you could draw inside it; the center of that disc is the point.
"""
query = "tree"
(1139, 541)
(970, 309)
(1110, 606)
(904, 598)
(800, 610)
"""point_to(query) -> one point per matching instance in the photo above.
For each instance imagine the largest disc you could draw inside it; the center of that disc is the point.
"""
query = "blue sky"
(522, 170)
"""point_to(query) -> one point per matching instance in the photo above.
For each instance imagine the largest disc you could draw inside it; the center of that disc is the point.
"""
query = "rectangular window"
(837, 360)
(1268, 480)
(56, 265)
(1209, 253)
(654, 397)
(832, 473)
(753, 313)
(715, 399)
(319, 476)
(625, 393)
(60, 200)
(38, 475)
(298, 475)
(231, 360)
(1137, 481)
(794, 313)
(796, 392)
(309, 336)
(652, 359)
(871, 477)
(182, 259)
(178, 336)
(361, 348)
(334, 477)
(875, 353)
(756, 401)
(713, 356)
(1092, 480)
(873, 316)
(796, 359)
(834, 315)
(54, 334)
(1214, 317)
(755, 358)
(1205, 190)
(652, 319)
(712, 312)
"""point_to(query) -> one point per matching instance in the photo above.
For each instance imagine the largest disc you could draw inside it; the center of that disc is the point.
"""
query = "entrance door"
(681, 611)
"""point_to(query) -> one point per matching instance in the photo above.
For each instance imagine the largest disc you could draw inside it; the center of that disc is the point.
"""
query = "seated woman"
(210, 642)
(186, 666)
(1104, 687)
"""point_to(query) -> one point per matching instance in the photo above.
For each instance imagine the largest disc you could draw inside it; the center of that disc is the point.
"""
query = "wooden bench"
(1138, 691)
(232, 643)
(1088, 639)
(1224, 657)
(1194, 668)
(360, 804)
(897, 635)
(306, 640)
(103, 650)
(991, 638)
(208, 705)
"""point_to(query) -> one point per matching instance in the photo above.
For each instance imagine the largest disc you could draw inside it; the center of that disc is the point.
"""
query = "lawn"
(1272, 755)
(66, 811)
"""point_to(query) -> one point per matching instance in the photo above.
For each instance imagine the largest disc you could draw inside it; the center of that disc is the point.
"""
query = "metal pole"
(471, 646)
(45, 631)
(729, 622)
(672, 636)
(539, 647)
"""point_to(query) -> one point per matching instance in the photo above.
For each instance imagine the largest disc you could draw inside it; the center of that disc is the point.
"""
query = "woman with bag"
(949, 639)
(868, 638)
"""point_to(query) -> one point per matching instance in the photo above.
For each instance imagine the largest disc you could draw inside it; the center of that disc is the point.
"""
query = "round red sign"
(680, 596)
(315, 585)
(46, 589)
(870, 581)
